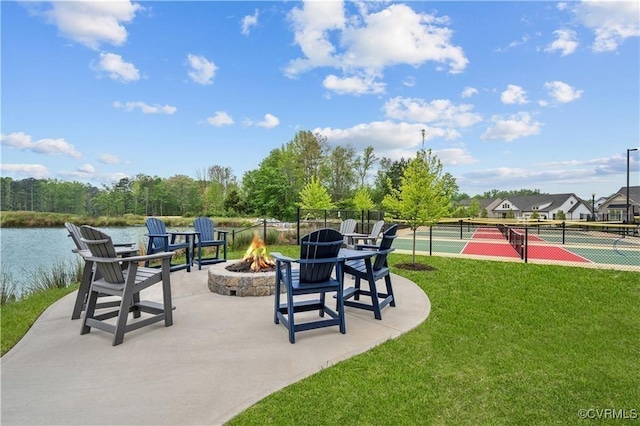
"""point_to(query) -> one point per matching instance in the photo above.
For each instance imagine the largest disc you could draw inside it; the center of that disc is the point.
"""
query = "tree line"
(283, 181)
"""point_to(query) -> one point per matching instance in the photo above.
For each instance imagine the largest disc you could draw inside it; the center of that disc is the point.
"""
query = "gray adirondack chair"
(125, 283)
(348, 226)
(372, 271)
(162, 241)
(207, 237)
(318, 259)
(122, 249)
(373, 236)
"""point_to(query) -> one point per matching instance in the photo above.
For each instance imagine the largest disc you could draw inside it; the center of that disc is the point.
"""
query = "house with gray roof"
(615, 207)
(547, 206)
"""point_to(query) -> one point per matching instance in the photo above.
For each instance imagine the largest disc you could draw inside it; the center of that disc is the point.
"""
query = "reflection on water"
(23, 250)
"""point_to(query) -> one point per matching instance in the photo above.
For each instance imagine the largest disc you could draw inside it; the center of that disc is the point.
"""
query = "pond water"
(24, 250)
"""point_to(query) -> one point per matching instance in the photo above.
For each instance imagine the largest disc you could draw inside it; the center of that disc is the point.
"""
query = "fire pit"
(253, 275)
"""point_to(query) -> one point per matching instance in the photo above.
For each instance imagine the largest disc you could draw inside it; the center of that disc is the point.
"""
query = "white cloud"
(440, 112)
(516, 126)
(409, 81)
(202, 70)
(116, 68)
(145, 108)
(37, 171)
(23, 141)
(562, 92)
(469, 91)
(565, 42)
(109, 159)
(87, 169)
(514, 95)
(219, 119)
(248, 22)
(369, 42)
(90, 23)
(389, 139)
(455, 156)
(611, 21)
(270, 121)
(353, 85)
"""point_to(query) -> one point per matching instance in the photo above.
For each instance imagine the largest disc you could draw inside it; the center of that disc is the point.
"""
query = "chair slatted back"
(348, 226)
(206, 228)
(74, 233)
(320, 244)
(156, 226)
(387, 240)
(376, 229)
(101, 245)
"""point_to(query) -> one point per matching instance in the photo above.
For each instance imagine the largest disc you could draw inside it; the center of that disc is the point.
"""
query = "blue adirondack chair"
(207, 237)
(372, 271)
(162, 241)
(318, 258)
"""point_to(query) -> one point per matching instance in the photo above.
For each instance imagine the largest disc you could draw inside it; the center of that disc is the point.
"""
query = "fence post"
(325, 218)
(362, 221)
(430, 239)
(264, 230)
(525, 251)
(563, 230)
(298, 232)
(460, 228)
(233, 238)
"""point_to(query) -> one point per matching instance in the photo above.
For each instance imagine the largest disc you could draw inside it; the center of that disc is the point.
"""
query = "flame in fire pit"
(257, 256)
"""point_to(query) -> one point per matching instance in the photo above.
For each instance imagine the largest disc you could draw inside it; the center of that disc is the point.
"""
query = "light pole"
(593, 206)
(628, 151)
(423, 139)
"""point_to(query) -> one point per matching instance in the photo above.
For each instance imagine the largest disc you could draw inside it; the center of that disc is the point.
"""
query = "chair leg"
(277, 297)
(374, 298)
(136, 301)
(322, 304)
(387, 279)
(123, 313)
(356, 295)
(89, 311)
(290, 316)
(83, 291)
(166, 293)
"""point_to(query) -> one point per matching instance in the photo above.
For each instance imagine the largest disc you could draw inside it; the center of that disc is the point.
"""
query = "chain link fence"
(590, 244)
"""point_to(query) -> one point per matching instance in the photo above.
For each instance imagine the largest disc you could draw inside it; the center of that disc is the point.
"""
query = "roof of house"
(550, 201)
(634, 193)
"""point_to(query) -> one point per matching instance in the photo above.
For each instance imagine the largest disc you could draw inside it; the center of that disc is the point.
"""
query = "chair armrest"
(366, 246)
(124, 244)
(279, 256)
(157, 235)
(325, 260)
(132, 258)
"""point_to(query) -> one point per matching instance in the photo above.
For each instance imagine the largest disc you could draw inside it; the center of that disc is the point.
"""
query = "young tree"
(362, 200)
(474, 207)
(314, 196)
(423, 197)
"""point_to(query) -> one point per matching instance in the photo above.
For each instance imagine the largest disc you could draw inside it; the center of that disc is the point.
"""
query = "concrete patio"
(222, 355)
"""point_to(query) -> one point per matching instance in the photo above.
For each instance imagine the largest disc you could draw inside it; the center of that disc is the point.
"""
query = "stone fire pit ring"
(229, 283)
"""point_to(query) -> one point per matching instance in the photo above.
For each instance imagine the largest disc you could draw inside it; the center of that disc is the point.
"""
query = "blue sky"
(511, 95)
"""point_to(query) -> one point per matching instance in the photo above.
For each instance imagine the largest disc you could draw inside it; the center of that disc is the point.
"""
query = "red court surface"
(491, 249)
(500, 249)
(554, 253)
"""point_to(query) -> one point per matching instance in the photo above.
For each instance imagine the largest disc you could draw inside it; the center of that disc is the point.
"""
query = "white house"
(615, 207)
(547, 206)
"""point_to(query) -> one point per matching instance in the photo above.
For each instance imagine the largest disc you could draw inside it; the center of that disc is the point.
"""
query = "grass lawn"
(504, 343)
